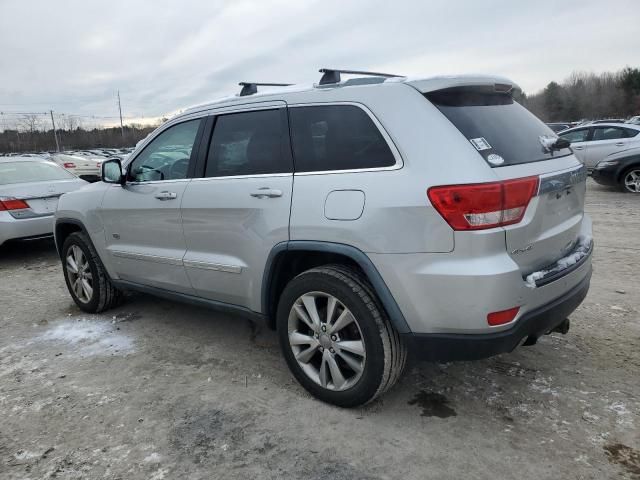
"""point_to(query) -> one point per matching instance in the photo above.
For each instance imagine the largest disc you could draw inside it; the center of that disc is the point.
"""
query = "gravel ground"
(157, 390)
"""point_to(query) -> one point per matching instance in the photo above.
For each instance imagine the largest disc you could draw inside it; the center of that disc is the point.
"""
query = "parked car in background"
(609, 120)
(634, 120)
(558, 127)
(83, 166)
(321, 210)
(620, 170)
(29, 191)
(592, 143)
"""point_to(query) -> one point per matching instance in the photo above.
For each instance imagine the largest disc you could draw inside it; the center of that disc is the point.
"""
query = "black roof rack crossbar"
(332, 75)
(249, 88)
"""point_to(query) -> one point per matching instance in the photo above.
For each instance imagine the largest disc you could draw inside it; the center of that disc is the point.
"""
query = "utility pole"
(120, 109)
(55, 133)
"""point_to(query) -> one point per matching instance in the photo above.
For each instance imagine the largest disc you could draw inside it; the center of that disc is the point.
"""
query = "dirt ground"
(159, 390)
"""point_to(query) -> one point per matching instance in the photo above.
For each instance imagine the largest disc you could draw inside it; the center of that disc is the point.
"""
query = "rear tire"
(351, 353)
(85, 276)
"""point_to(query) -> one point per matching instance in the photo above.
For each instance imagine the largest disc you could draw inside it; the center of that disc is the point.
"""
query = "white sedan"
(592, 143)
(29, 191)
(85, 167)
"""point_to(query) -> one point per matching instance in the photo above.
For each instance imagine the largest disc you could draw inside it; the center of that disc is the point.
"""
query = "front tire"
(631, 180)
(336, 339)
(85, 276)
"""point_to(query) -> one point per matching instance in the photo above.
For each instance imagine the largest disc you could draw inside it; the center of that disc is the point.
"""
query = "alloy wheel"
(632, 181)
(326, 341)
(79, 274)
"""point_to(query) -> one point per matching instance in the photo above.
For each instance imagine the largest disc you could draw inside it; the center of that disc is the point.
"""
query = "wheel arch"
(288, 259)
(65, 227)
(625, 169)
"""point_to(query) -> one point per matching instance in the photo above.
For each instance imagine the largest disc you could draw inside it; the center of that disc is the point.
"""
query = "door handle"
(167, 196)
(578, 148)
(620, 144)
(266, 192)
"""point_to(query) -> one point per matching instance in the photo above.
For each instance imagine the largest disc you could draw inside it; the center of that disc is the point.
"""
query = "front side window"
(576, 135)
(337, 137)
(168, 155)
(248, 143)
(608, 133)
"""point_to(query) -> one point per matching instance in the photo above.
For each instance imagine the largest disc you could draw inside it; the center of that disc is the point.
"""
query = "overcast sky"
(72, 56)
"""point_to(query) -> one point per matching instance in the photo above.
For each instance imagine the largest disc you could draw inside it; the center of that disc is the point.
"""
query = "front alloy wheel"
(79, 274)
(632, 181)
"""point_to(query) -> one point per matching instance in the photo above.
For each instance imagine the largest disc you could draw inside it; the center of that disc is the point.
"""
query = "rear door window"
(248, 143)
(502, 130)
(631, 132)
(337, 137)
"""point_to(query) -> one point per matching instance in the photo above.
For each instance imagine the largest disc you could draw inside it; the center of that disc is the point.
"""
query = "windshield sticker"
(480, 143)
(494, 159)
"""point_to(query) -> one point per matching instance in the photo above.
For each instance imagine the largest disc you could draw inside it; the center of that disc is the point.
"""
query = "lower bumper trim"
(452, 347)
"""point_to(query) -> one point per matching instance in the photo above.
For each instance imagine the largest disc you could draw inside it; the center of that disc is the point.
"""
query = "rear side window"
(502, 130)
(248, 143)
(336, 137)
(576, 135)
(631, 132)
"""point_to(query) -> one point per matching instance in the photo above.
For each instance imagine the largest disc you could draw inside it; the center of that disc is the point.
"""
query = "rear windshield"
(23, 172)
(502, 130)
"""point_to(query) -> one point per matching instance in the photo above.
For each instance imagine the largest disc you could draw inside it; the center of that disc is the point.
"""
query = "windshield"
(502, 130)
(32, 171)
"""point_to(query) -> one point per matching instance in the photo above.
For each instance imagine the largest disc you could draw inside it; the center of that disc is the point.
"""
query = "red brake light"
(12, 204)
(69, 165)
(483, 205)
(500, 318)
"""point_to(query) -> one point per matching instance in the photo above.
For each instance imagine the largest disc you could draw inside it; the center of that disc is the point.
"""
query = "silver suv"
(364, 219)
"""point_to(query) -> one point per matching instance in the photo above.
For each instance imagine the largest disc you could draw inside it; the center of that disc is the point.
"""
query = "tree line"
(30, 137)
(588, 96)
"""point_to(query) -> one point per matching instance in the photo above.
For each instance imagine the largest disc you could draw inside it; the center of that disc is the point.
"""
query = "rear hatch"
(516, 145)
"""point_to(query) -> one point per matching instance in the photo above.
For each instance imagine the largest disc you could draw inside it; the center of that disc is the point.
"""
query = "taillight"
(502, 317)
(483, 205)
(69, 165)
(12, 204)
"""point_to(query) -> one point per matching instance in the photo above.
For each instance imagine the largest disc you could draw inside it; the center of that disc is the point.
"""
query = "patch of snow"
(90, 337)
(582, 249)
(153, 458)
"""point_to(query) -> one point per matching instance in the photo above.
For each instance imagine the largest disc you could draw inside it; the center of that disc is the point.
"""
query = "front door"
(579, 143)
(239, 209)
(143, 224)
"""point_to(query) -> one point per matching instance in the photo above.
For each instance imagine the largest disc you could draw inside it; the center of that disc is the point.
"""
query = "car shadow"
(14, 253)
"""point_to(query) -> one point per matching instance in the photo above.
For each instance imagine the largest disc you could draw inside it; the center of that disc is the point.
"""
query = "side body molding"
(378, 284)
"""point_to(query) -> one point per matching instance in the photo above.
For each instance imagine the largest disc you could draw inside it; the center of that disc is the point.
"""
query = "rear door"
(239, 209)
(142, 220)
(605, 141)
(512, 142)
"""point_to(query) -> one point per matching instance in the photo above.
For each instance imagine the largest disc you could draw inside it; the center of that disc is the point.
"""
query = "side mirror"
(112, 172)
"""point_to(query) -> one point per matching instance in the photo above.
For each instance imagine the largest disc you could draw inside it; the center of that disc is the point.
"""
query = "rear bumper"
(13, 229)
(535, 323)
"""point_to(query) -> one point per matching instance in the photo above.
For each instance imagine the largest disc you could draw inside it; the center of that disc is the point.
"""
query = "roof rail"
(249, 88)
(332, 75)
